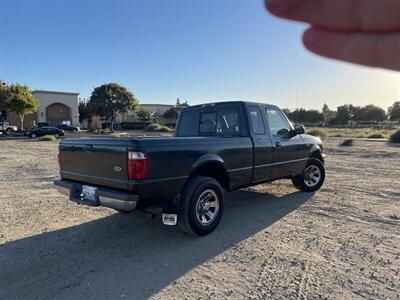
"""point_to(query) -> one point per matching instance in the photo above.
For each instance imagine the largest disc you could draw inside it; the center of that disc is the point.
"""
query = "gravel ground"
(274, 242)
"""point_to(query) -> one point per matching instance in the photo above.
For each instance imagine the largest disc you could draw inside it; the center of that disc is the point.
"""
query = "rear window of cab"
(224, 121)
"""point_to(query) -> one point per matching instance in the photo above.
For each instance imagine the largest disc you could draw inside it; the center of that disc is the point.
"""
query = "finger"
(369, 49)
(346, 15)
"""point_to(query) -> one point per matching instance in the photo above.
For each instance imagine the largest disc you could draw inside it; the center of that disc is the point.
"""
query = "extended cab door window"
(256, 121)
(228, 122)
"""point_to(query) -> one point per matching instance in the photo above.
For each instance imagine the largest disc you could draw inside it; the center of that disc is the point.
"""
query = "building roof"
(53, 92)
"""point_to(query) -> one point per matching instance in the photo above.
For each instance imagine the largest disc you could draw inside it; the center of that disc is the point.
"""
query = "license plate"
(88, 194)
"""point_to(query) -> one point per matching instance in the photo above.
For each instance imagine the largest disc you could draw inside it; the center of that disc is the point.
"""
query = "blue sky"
(198, 50)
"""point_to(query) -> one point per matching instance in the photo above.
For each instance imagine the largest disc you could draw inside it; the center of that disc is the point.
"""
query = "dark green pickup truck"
(217, 148)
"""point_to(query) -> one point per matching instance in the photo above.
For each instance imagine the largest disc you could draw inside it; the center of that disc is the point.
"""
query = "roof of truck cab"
(227, 103)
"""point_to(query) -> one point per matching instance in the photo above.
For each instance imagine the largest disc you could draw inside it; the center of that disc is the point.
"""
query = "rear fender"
(208, 158)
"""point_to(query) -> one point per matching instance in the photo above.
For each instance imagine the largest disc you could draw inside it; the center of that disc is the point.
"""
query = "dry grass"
(357, 132)
(321, 133)
(47, 138)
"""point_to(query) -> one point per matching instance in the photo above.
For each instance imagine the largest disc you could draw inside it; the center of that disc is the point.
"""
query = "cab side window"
(278, 124)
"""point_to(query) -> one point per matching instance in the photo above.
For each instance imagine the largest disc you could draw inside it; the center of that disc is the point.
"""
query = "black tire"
(9, 132)
(32, 136)
(303, 181)
(195, 193)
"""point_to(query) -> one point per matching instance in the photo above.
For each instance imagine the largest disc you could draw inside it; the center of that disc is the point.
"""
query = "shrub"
(318, 133)
(158, 128)
(153, 127)
(164, 129)
(47, 138)
(376, 136)
(395, 137)
(347, 143)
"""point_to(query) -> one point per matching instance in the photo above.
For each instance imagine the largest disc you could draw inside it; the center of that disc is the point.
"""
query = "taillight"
(59, 158)
(138, 166)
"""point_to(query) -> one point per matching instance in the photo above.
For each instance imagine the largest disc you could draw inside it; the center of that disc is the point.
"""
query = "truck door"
(289, 153)
(262, 152)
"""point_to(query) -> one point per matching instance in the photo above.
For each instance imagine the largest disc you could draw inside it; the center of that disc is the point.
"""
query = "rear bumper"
(112, 198)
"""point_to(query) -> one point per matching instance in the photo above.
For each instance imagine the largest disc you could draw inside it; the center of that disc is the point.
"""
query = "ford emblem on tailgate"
(117, 169)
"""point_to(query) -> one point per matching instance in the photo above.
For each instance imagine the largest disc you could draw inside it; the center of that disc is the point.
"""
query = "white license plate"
(89, 193)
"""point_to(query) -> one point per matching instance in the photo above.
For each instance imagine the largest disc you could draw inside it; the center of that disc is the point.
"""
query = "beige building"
(55, 108)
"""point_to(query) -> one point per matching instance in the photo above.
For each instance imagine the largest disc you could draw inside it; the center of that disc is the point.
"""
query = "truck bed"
(103, 161)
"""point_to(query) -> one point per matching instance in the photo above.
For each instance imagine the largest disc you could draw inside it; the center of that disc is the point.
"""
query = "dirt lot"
(274, 242)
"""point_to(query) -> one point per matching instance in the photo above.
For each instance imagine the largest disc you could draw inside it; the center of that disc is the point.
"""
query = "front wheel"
(312, 177)
(200, 206)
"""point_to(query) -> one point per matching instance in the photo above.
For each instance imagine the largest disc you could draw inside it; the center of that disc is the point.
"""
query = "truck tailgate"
(100, 162)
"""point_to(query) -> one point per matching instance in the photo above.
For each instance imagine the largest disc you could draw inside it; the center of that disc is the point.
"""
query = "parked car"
(68, 128)
(7, 129)
(41, 131)
(217, 147)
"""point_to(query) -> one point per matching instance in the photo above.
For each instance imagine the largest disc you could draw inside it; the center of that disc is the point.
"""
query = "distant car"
(7, 128)
(41, 131)
(68, 128)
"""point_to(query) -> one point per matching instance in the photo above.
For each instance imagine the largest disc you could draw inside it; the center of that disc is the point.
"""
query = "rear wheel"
(312, 177)
(33, 136)
(9, 132)
(201, 206)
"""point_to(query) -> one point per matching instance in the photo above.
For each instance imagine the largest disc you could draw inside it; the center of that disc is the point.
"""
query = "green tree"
(394, 111)
(327, 113)
(172, 113)
(344, 114)
(286, 111)
(5, 94)
(22, 102)
(5, 97)
(306, 116)
(372, 113)
(111, 100)
(84, 113)
(144, 115)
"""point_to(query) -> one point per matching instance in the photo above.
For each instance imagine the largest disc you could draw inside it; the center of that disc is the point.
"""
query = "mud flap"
(170, 219)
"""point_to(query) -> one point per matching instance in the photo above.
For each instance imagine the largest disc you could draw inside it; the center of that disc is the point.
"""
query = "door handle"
(278, 145)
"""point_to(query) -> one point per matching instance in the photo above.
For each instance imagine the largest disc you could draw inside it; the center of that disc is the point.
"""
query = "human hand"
(365, 32)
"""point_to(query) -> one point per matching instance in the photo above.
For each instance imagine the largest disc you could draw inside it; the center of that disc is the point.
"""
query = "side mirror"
(299, 129)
